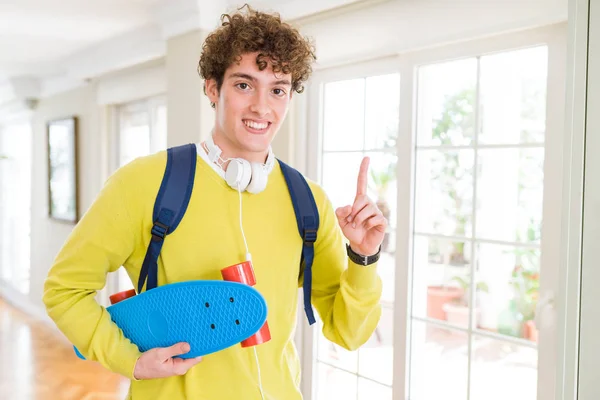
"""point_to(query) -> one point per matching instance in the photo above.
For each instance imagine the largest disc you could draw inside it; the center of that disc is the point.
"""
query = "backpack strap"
(169, 207)
(307, 217)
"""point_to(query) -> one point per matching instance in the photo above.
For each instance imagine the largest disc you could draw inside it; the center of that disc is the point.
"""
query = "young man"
(251, 66)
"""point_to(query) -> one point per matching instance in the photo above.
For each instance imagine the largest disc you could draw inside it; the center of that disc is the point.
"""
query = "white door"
(360, 117)
(459, 164)
(588, 382)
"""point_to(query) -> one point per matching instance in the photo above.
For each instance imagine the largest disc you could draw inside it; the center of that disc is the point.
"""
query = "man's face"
(249, 107)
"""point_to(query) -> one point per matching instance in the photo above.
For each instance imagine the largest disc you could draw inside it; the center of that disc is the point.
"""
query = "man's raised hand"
(362, 223)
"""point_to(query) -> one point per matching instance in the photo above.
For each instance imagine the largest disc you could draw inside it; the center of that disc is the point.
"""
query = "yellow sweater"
(115, 232)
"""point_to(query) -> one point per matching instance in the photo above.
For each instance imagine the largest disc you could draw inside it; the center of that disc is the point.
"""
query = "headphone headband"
(242, 174)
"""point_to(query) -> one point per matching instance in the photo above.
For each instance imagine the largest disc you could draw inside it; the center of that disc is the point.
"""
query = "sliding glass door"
(459, 166)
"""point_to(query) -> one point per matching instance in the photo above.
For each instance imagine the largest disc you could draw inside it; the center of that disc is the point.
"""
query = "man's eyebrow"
(253, 79)
(243, 76)
(283, 82)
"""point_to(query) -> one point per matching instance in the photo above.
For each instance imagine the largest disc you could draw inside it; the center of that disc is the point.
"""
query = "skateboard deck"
(210, 315)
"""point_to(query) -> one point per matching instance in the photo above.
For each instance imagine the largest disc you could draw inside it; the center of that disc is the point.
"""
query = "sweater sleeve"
(100, 243)
(346, 295)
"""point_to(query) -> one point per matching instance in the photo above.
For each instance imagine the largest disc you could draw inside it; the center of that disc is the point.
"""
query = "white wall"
(402, 26)
(47, 236)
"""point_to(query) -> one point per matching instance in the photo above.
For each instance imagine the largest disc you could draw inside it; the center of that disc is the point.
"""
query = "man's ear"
(211, 90)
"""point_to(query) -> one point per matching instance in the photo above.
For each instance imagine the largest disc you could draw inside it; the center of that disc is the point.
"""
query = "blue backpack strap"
(169, 207)
(307, 216)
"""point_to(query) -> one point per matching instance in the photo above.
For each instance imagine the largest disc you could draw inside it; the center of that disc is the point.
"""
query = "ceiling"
(44, 39)
(36, 35)
(47, 46)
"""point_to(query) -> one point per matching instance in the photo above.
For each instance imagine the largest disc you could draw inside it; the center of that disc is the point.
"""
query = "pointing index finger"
(361, 187)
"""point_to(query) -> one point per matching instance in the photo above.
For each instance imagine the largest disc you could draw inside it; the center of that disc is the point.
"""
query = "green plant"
(526, 285)
(525, 276)
(455, 123)
(465, 284)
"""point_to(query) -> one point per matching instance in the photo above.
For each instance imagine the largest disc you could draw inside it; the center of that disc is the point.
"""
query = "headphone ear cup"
(258, 182)
(238, 173)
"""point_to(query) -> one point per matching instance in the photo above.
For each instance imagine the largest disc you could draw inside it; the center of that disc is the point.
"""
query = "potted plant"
(525, 284)
(447, 172)
(457, 311)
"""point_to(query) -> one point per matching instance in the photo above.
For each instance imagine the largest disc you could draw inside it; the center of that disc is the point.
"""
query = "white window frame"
(114, 161)
(579, 376)
(554, 36)
(150, 104)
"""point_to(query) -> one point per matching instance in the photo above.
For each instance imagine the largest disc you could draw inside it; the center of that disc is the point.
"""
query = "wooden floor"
(37, 364)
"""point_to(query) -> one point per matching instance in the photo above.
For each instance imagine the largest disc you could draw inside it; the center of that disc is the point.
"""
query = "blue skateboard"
(210, 315)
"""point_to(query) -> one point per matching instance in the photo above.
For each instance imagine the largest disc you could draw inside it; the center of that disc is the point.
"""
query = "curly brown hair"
(277, 42)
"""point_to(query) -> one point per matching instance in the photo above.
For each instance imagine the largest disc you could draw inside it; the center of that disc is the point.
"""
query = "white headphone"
(241, 174)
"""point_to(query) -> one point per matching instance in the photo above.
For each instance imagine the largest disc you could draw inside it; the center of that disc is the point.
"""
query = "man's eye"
(278, 92)
(243, 86)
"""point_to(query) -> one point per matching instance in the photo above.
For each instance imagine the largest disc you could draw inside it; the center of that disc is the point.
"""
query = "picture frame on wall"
(63, 202)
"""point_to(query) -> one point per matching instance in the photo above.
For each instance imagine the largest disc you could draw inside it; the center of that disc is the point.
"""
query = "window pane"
(333, 383)
(510, 194)
(383, 184)
(513, 96)
(344, 115)
(369, 390)
(386, 267)
(332, 354)
(135, 136)
(446, 103)
(503, 371)
(15, 205)
(159, 134)
(509, 279)
(440, 278)
(444, 192)
(376, 357)
(340, 175)
(438, 363)
(382, 111)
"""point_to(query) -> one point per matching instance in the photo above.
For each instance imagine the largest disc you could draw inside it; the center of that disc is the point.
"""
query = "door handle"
(544, 311)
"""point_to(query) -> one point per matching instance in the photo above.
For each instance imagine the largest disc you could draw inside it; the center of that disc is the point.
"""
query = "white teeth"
(256, 125)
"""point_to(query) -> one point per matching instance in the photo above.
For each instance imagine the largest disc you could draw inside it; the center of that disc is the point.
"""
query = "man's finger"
(342, 214)
(175, 350)
(361, 186)
(377, 221)
(358, 205)
(181, 366)
(369, 211)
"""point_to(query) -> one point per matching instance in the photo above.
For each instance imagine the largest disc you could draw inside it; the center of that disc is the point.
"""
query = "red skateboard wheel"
(244, 273)
(117, 297)
(260, 337)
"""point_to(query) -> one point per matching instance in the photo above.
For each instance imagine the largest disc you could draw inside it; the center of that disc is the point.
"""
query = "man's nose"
(260, 104)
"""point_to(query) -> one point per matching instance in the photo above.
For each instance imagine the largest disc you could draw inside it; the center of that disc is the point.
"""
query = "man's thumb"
(177, 349)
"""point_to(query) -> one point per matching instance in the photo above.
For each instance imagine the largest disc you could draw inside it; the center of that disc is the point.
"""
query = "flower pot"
(530, 331)
(437, 297)
(458, 315)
